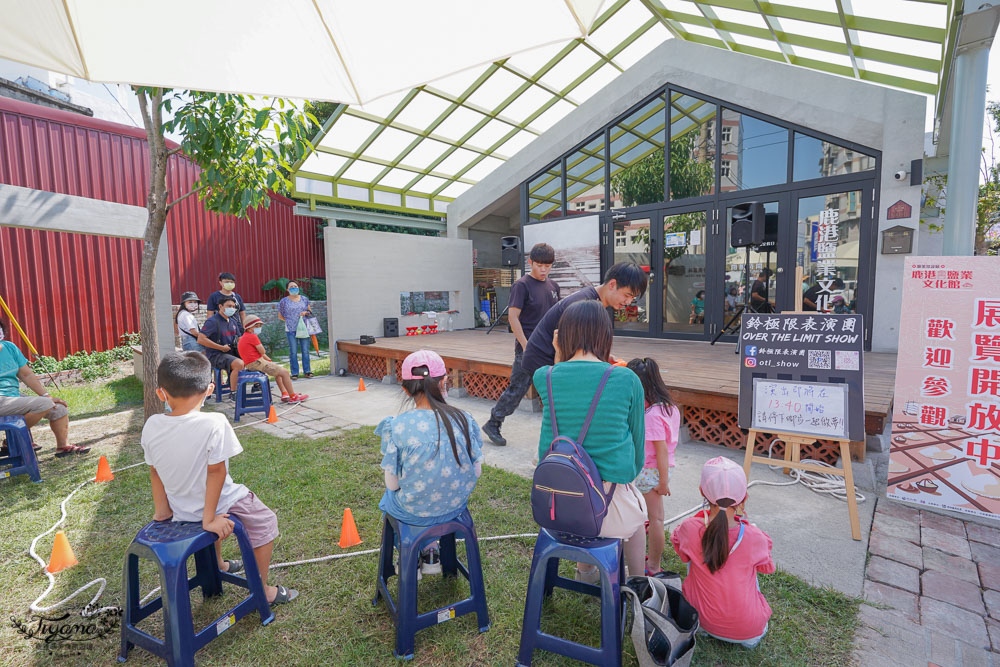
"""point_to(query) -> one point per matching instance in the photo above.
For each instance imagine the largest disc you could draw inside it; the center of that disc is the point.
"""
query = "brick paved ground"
(292, 421)
(932, 587)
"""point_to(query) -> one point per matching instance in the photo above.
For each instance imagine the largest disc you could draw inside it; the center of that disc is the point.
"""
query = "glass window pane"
(759, 289)
(829, 235)
(684, 247)
(545, 194)
(637, 156)
(585, 178)
(754, 152)
(692, 147)
(631, 239)
(815, 158)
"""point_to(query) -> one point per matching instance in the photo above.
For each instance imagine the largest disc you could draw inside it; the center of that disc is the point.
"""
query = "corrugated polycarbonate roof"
(416, 151)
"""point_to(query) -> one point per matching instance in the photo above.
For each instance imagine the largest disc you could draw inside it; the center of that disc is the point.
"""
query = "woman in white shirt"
(187, 324)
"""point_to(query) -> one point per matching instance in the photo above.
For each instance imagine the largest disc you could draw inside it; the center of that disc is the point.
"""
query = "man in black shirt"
(623, 283)
(219, 336)
(759, 302)
(530, 298)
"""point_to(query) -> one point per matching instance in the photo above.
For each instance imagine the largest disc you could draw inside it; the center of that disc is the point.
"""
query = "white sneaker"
(430, 561)
(591, 576)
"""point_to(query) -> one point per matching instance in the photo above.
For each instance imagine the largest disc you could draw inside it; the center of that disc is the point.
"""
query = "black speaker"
(770, 242)
(746, 226)
(510, 251)
(390, 327)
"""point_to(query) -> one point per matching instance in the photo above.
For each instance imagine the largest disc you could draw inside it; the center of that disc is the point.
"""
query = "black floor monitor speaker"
(510, 251)
(770, 242)
(747, 224)
(390, 327)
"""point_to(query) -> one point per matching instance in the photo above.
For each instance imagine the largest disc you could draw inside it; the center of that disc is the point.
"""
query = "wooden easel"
(795, 441)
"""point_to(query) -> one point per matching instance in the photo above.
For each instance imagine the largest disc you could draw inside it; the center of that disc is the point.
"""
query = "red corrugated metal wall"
(73, 292)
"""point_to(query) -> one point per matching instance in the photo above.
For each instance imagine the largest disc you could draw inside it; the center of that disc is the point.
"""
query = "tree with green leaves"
(243, 149)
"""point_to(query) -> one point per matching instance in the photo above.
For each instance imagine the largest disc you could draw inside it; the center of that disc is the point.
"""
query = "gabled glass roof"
(416, 151)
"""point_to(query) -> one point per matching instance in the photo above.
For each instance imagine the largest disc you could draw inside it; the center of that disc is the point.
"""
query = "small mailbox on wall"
(897, 240)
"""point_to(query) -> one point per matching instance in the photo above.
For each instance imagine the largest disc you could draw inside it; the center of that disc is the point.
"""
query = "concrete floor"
(811, 532)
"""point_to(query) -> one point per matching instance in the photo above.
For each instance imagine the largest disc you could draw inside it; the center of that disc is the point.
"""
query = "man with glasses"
(623, 283)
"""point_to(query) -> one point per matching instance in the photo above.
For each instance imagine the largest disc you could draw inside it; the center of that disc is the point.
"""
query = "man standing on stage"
(530, 298)
(623, 283)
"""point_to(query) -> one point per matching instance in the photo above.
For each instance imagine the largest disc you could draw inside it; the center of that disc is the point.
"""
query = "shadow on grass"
(309, 483)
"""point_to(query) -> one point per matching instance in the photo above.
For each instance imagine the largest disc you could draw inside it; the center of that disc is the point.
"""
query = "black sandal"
(284, 595)
(70, 450)
(308, 375)
(235, 566)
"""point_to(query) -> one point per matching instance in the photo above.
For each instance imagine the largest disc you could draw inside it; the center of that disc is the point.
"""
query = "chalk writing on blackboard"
(810, 408)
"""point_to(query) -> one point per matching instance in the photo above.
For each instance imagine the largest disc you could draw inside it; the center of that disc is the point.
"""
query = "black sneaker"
(492, 431)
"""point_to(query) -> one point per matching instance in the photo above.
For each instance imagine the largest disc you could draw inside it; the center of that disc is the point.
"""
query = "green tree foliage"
(243, 147)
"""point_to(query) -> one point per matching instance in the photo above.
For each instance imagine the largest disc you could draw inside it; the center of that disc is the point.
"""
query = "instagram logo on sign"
(751, 362)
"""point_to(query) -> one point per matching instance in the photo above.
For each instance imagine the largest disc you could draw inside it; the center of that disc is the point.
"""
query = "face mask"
(293, 290)
(258, 330)
(166, 406)
(191, 306)
(229, 286)
(229, 311)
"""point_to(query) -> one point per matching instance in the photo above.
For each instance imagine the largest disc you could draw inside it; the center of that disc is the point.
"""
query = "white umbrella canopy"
(351, 51)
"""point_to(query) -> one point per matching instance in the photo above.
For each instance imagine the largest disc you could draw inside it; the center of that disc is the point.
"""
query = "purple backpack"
(567, 493)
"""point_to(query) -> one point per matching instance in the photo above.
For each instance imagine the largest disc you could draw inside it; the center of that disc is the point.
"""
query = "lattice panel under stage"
(480, 385)
(721, 428)
(366, 365)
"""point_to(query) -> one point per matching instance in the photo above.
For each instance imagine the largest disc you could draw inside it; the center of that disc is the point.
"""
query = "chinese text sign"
(810, 408)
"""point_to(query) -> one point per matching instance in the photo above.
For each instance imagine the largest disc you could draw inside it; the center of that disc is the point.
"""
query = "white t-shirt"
(181, 449)
(185, 322)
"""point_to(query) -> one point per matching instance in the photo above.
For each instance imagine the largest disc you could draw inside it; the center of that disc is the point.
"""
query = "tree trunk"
(156, 206)
(980, 248)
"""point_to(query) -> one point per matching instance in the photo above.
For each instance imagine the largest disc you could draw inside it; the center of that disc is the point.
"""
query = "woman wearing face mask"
(187, 324)
(291, 310)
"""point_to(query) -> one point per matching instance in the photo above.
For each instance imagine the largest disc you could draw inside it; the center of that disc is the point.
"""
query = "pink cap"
(432, 360)
(722, 478)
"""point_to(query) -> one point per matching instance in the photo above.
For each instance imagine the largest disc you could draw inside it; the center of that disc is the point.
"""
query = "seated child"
(255, 358)
(188, 455)
(724, 553)
(430, 471)
(663, 420)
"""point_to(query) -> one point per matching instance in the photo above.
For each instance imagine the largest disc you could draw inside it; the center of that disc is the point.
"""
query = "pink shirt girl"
(661, 426)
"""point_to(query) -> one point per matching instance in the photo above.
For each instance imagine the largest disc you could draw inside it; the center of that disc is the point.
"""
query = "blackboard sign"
(809, 408)
(804, 348)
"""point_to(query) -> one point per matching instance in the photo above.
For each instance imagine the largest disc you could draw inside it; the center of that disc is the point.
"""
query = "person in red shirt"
(724, 554)
(255, 358)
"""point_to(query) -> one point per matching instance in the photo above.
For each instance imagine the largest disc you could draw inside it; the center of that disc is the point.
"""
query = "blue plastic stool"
(20, 453)
(247, 402)
(169, 544)
(220, 388)
(411, 539)
(608, 556)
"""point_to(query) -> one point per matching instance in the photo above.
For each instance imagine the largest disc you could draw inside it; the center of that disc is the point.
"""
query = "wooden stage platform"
(703, 378)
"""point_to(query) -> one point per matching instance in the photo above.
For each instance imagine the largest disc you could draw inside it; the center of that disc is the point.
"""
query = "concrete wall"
(366, 271)
(887, 120)
(266, 311)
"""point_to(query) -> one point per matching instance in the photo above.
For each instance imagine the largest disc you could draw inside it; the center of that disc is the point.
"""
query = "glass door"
(685, 281)
(632, 241)
(754, 278)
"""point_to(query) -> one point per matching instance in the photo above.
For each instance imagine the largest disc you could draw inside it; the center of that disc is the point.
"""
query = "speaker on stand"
(510, 258)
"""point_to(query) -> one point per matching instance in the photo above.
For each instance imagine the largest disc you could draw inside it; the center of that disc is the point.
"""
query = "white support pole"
(164, 314)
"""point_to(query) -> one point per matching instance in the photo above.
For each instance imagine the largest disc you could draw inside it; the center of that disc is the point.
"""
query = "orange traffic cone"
(104, 473)
(62, 554)
(361, 384)
(272, 416)
(348, 531)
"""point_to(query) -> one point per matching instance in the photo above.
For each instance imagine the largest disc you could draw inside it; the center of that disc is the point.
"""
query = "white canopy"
(352, 51)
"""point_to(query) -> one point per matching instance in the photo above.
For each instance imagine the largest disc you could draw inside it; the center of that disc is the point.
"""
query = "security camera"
(901, 175)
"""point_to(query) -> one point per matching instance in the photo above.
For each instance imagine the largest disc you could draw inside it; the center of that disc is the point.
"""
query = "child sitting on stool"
(255, 358)
(432, 455)
(188, 454)
(724, 553)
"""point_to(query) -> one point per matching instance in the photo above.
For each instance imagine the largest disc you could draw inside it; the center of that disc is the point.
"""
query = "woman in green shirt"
(616, 439)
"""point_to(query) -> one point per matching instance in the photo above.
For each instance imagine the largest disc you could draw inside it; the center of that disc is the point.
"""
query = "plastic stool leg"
(476, 585)
(406, 611)
(532, 608)
(254, 582)
(551, 574)
(207, 572)
(130, 584)
(178, 633)
(449, 555)
(385, 566)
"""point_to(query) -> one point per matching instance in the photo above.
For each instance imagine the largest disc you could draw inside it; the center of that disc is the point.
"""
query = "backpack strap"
(552, 404)
(593, 404)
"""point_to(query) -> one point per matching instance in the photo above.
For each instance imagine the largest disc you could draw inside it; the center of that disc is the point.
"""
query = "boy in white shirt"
(188, 455)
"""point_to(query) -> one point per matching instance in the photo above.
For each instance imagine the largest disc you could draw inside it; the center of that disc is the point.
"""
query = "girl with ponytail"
(431, 455)
(724, 554)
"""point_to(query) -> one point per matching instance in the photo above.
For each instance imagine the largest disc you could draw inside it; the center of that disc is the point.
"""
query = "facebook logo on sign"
(751, 350)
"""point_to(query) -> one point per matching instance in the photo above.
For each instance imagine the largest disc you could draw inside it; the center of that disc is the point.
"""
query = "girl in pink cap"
(724, 554)
(431, 455)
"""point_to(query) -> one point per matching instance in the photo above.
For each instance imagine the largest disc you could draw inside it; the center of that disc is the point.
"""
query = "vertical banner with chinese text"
(946, 410)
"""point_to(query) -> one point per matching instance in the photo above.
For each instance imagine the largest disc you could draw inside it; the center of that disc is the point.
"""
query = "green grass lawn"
(309, 483)
(93, 398)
